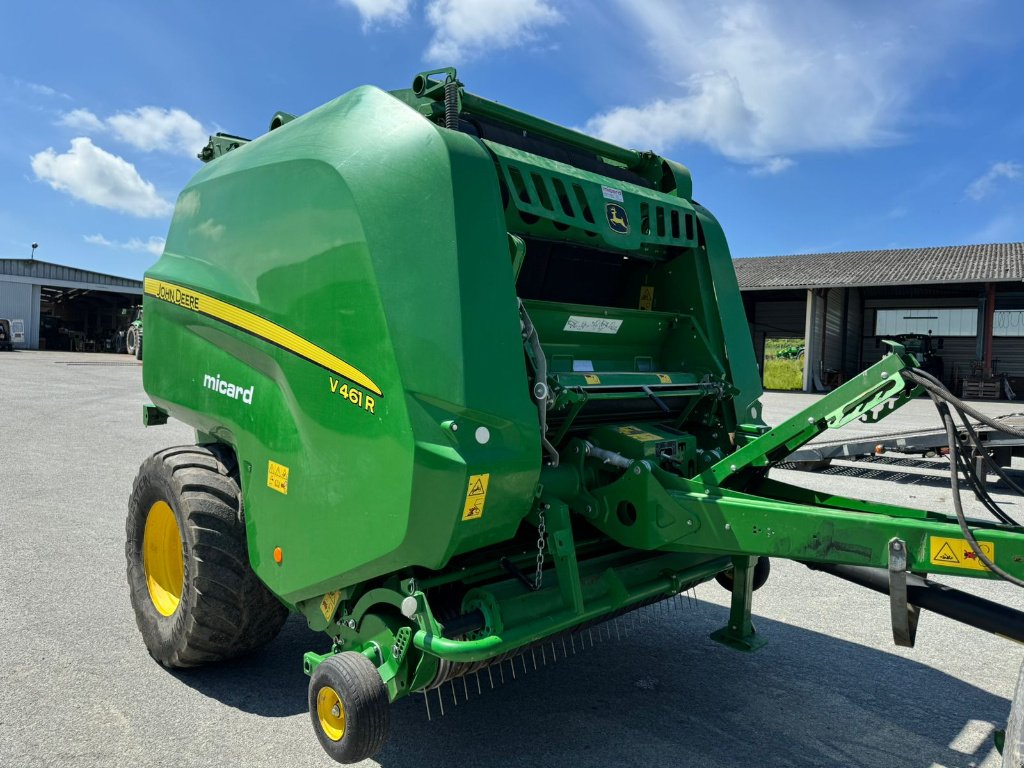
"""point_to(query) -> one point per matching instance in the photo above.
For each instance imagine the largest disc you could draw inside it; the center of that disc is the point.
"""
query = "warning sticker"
(592, 378)
(476, 496)
(957, 553)
(664, 378)
(638, 434)
(329, 604)
(277, 477)
(647, 297)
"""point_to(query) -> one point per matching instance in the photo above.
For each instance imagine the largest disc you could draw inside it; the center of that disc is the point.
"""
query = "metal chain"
(542, 528)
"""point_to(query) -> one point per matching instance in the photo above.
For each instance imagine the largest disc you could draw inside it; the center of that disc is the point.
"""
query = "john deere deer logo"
(617, 218)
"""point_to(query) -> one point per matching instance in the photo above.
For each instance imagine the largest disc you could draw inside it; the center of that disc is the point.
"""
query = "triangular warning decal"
(945, 555)
(477, 489)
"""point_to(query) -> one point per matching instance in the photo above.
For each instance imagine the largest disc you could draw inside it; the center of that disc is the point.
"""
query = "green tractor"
(133, 333)
(466, 384)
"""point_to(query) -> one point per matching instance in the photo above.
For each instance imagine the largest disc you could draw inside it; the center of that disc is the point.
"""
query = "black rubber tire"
(138, 346)
(225, 610)
(1013, 745)
(131, 339)
(762, 569)
(365, 698)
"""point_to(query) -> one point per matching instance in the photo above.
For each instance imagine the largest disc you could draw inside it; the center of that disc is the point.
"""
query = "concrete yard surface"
(77, 687)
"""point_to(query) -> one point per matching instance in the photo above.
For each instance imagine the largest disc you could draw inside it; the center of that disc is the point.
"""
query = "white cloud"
(466, 28)
(155, 128)
(153, 245)
(147, 128)
(380, 11)
(981, 186)
(82, 120)
(92, 174)
(770, 79)
(772, 166)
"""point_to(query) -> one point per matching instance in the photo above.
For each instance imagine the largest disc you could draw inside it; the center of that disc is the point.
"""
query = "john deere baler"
(464, 381)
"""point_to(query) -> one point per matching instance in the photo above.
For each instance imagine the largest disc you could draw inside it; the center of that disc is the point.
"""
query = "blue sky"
(808, 125)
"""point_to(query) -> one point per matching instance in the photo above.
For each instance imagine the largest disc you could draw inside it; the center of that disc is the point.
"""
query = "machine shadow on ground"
(663, 694)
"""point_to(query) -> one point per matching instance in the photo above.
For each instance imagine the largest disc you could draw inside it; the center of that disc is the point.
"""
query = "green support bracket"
(739, 634)
(562, 546)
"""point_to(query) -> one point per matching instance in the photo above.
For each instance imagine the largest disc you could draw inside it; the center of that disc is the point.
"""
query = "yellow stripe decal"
(257, 326)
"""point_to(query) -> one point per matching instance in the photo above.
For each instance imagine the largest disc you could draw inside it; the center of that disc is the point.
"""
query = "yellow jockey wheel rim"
(162, 558)
(331, 712)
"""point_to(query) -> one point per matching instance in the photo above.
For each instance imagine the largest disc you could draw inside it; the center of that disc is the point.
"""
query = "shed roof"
(45, 272)
(995, 262)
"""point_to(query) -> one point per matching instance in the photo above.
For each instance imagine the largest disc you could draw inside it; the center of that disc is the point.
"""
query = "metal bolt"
(455, 427)
(689, 522)
(885, 374)
(732, 467)
(411, 586)
(728, 527)
(810, 419)
(351, 623)
(395, 651)
(589, 510)
(636, 470)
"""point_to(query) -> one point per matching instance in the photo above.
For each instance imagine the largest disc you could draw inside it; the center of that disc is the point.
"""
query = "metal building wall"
(16, 304)
(780, 319)
(833, 307)
(1008, 356)
(854, 332)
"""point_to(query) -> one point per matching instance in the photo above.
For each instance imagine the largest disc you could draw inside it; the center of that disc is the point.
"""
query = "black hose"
(934, 387)
(929, 382)
(943, 398)
(954, 485)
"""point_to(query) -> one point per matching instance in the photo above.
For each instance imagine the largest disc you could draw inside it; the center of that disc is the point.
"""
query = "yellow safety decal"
(476, 496)
(638, 434)
(647, 297)
(277, 477)
(957, 553)
(592, 378)
(329, 604)
(664, 378)
(257, 326)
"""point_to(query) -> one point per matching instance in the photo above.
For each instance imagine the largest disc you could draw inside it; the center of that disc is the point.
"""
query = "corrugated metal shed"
(46, 273)
(997, 262)
(22, 282)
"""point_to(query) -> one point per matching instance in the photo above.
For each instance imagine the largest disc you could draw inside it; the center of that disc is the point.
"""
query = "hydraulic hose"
(942, 398)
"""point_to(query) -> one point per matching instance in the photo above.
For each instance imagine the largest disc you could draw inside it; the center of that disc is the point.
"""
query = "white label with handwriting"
(579, 324)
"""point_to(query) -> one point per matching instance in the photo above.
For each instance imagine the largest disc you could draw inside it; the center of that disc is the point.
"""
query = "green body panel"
(488, 380)
(324, 227)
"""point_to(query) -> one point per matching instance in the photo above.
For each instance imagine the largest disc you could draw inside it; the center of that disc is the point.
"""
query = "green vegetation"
(782, 371)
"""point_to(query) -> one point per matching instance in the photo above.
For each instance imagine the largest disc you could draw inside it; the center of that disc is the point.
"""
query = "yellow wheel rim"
(331, 712)
(162, 558)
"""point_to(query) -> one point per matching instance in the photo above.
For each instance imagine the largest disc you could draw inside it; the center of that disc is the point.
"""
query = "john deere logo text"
(617, 218)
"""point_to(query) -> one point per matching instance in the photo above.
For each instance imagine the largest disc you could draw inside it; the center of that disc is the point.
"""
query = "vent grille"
(549, 202)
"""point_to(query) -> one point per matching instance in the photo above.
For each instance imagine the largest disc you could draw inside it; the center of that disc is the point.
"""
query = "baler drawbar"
(465, 382)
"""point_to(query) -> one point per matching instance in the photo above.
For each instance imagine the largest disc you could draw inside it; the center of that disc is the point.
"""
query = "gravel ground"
(78, 689)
